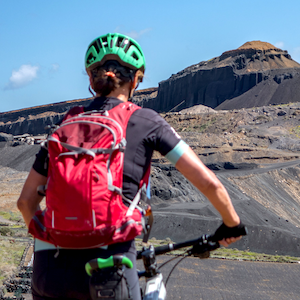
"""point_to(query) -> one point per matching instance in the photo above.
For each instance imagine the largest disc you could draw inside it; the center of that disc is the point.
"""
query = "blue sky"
(43, 43)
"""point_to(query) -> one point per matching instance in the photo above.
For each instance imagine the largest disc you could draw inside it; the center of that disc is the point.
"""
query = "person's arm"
(29, 200)
(207, 183)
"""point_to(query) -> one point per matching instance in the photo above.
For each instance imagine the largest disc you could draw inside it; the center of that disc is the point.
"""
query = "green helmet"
(115, 46)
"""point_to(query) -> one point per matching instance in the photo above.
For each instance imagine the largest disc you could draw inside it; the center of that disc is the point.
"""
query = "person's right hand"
(227, 235)
(228, 241)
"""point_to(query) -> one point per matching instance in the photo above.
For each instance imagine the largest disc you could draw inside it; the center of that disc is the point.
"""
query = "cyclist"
(114, 75)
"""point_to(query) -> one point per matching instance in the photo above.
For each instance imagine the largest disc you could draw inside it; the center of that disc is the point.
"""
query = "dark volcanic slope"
(275, 89)
(265, 198)
(254, 152)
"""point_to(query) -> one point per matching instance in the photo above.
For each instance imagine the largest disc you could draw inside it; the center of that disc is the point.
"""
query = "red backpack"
(84, 207)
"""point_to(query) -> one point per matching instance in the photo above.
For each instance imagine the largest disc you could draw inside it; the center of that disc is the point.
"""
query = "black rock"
(4, 137)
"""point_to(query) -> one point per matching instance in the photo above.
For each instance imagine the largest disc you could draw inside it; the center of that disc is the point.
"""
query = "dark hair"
(104, 84)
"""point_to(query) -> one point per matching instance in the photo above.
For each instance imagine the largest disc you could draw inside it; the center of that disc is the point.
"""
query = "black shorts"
(63, 276)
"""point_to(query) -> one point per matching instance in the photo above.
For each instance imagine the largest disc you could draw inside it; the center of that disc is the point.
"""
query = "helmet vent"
(119, 42)
(95, 45)
(104, 42)
(91, 58)
(128, 46)
(124, 43)
(135, 56)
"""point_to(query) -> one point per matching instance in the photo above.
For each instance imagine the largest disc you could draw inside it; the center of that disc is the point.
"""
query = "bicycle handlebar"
(202, 245)
(201, 248)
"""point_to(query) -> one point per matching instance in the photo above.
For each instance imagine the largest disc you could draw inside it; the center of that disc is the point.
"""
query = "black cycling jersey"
(146, 131)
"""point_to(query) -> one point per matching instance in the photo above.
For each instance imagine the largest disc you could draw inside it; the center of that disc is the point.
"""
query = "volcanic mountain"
(255, 74)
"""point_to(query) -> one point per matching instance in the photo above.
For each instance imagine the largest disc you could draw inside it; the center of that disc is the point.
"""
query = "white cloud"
(22, 77)
(133, 34)
(136, 35)
(117, 29)
(54, 67)
(279, 45)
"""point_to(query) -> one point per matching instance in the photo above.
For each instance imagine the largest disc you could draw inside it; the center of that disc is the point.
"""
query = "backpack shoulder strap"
(123, 111)
(74, 111)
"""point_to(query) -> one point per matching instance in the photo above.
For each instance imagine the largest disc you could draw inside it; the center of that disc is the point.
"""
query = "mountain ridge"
(255, 74)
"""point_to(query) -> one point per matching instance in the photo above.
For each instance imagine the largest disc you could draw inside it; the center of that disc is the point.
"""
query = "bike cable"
(173, 268)
(180, 260)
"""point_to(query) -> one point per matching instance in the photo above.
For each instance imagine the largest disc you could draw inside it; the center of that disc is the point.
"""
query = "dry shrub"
(11, 252)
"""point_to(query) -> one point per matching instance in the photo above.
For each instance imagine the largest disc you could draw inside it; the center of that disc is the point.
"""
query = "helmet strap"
(91, 91)
(132, 90)
(130, 93)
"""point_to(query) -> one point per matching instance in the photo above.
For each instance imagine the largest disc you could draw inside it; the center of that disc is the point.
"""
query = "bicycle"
(155, 289)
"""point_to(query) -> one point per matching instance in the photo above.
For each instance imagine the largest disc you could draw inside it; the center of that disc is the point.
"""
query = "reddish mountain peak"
(255, 56)
(252, 48)
(257, 45)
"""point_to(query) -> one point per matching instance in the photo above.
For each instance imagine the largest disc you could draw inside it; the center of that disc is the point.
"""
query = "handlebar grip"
(113, 261)
(227, 232)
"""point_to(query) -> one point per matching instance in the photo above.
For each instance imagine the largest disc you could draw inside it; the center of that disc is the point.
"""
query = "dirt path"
(226, 279)
(232, 280)
(263, 169)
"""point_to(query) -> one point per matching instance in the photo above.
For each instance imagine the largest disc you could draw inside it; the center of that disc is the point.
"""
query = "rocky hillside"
(33, 120)
(254, 150)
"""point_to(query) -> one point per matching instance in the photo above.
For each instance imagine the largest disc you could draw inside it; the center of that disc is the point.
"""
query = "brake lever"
(203, 246)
